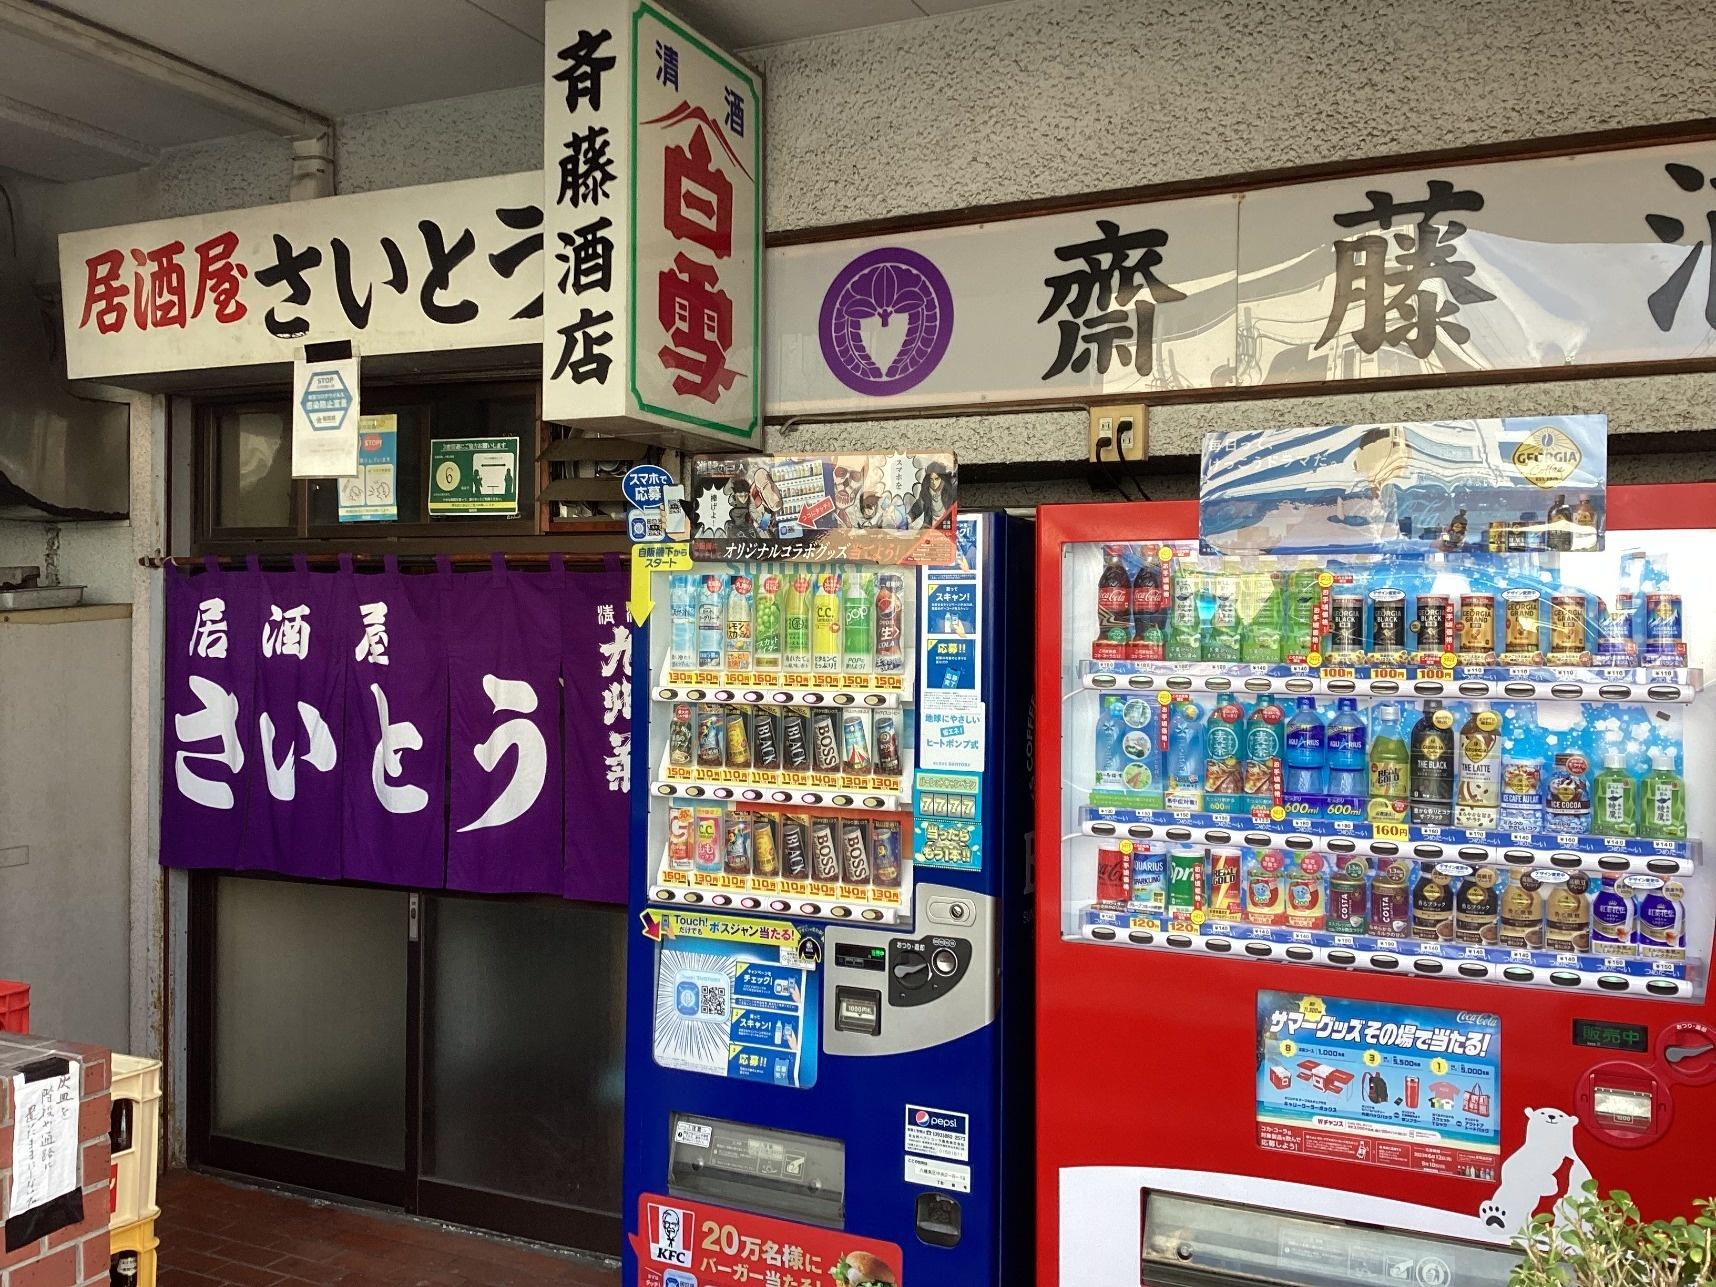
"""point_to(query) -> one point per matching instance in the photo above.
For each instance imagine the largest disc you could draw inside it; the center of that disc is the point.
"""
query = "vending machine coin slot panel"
(938, 1219)
(1625, 1104)
(858, 1010)
(772, 1172)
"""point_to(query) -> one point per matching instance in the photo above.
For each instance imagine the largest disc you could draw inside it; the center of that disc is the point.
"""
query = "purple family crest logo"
(907, 303)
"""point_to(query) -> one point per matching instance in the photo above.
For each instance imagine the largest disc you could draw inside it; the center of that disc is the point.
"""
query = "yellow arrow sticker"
(657, 556)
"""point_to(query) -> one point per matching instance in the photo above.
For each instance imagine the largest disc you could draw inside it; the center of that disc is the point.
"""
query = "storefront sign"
(652, 160)
(409, 270)
(473, 476)
(372, 494)
(1512, 265)
(1378, 1084)
(470, 731)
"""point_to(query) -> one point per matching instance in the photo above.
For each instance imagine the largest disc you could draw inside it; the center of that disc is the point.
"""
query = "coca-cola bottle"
(1113, 608)
(1148, 609)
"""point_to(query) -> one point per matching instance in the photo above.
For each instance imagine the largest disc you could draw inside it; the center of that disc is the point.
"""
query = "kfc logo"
(670, 1234)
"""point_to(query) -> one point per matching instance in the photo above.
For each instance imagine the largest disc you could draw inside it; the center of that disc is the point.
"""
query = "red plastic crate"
(14, 1007)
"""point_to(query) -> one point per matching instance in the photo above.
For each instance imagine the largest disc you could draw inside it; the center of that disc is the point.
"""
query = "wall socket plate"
(1119, 432)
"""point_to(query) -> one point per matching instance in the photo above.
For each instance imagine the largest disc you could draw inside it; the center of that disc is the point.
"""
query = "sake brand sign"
(652, 155)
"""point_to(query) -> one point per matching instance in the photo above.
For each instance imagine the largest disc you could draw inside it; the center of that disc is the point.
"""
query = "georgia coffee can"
(1435, 623)
(1477, 624)
(1387, 621)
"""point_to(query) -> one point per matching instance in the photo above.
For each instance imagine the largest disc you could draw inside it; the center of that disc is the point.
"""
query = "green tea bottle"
(1614, 797)
(1260, 638)
(1662, 802)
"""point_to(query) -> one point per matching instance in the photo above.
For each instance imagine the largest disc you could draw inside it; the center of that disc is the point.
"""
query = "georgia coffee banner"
(408, 729)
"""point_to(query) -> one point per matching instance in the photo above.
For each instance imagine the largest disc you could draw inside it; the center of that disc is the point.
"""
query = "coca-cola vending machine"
(1377, 920)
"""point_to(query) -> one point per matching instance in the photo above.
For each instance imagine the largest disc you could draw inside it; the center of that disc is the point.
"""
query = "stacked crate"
(135, 1131)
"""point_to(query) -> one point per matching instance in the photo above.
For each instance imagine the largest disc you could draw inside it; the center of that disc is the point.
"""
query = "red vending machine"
(1377, 920)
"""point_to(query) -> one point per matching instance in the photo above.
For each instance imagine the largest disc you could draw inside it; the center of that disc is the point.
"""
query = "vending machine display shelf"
(1666, 858)
(777, 690)
(1631, 976)
(791, 898)
(1478, 683)
(882, 793)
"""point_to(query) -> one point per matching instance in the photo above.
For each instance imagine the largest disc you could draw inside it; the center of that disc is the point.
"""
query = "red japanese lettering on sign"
(698, 198)
(698, 320)
(156, 294)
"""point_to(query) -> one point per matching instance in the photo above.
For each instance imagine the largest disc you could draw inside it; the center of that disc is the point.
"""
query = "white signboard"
(1511, 265)
(325, 418)
(446, 266)
(652, 160)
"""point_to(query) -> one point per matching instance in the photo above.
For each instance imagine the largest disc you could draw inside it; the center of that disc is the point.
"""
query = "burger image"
(861, 1269)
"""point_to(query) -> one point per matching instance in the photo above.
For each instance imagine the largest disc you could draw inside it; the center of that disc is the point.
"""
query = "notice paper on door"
(45, 1193)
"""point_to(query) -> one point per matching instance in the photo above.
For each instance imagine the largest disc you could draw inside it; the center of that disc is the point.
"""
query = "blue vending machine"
(829, 1078)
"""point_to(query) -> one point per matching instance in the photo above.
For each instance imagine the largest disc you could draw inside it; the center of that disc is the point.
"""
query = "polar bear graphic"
(1532, 1172)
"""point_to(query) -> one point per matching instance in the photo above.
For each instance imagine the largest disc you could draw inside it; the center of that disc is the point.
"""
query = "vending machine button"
(694, 694)
(1567, 692)
(1141, 831)
(781, 797)
(1259, 949)
(1103, 932)
(783, 698)
(1257, 684)
(811, 699)
(1612, 982)
(1614, 862)
(1474, 970)
(1179, 683)
(843, 913)
(1665, 692)
(1102, 828)
(1338, 686)
(812, 797)
(1662, 987)
(1341, 845)
(1566, 860)
(1217, 945)
(1298, 685)
(810, 909)
(1179, 833)
(1425, 965)
(666, 694)
(751, 793)
(1179, 940)
(723, 695)
(1474, 689)
(723, 793)
(1518, 974)
(1382, 961)
(1519, 857)
(1519, 690)
(1142, 681)
(872, 913)
(750, 903)
(1218, 683)
(1102, 681)
(841, 801)
(843, 699)
(1384, 848)
(1616, 692)
(1142, 937)
(1564, 978)
(1301, 954)
(1257, 840)
(752, 695)
(1427, 688)
(1300, 842)
(873, 802)
(693, 897)
(1663, 866)
(944, 961)
(1340, 956)
(873, 699)
(1216, 837)
(665, 895)
(1473, 855)
(1384, 687)
(720, 900)
(780, 905)
(1427, 852)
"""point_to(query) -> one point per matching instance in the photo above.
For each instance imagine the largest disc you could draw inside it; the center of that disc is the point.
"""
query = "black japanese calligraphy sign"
(651, 161)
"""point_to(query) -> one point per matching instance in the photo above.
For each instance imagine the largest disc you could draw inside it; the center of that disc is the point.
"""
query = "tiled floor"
(214, 1233)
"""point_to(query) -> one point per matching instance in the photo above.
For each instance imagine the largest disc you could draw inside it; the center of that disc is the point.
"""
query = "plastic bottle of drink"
(1304, 593)
(1185, 771)
(1346, 743)
(1263, 748)
(1614, 797)
(1430, 782)
(1223, 739)
(1612, 919)
(1479, 763)
(1185, 632)
(739, 623)
(857, 612)
(767, 615)
(795, 621)
(1113, 606)
(682, 602)
(711, 621)
(1389, 764)
(1662, 802)
(1306, 758)
(1260, 638)
(1110, 734)
(1149, 608)
(1222, 592)
(825, 622)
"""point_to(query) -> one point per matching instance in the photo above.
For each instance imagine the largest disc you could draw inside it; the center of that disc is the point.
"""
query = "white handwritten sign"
(44, 1139)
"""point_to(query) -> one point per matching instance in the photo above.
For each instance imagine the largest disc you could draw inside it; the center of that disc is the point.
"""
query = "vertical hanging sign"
(653, 229)
(325, 412)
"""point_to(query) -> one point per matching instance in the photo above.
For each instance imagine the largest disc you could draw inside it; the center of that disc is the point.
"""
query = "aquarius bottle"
(1306, 758)
(1346, 742)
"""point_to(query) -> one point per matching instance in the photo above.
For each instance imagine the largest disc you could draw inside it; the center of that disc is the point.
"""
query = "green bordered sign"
(473, 476)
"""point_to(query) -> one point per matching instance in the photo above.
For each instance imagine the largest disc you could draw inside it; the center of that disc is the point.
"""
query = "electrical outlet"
(1119, 433)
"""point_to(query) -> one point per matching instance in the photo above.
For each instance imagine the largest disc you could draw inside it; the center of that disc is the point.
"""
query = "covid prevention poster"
(735, 997)
(1388, 1085)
